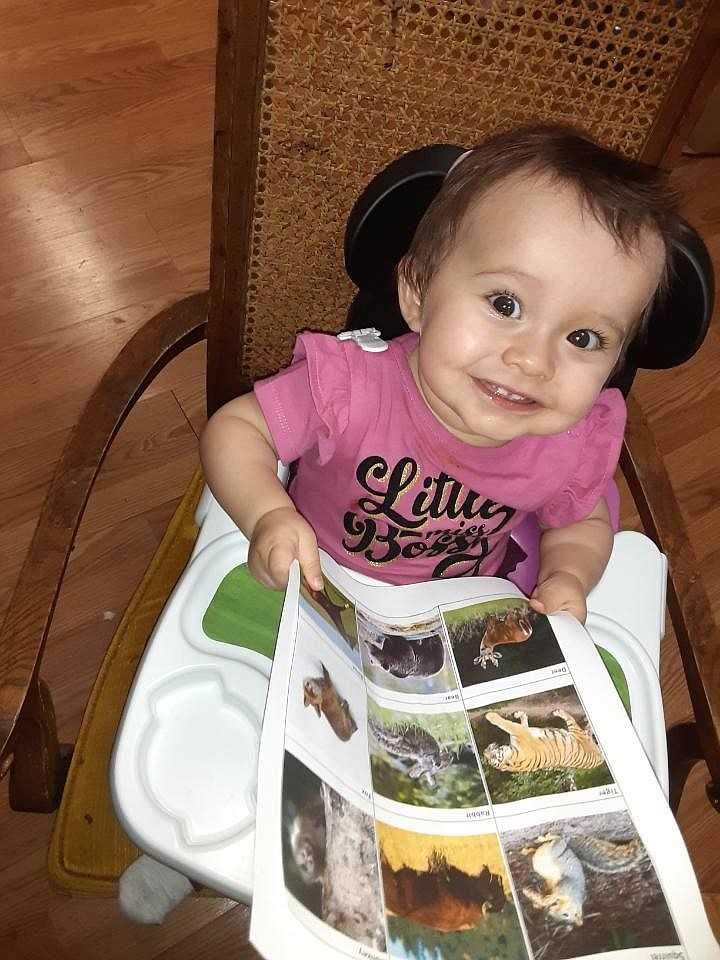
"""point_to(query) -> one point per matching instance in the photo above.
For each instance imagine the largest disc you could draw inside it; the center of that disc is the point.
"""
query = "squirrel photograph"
(586, 885)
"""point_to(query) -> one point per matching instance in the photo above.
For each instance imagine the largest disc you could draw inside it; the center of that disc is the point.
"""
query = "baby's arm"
(572, 560)
(240, 466)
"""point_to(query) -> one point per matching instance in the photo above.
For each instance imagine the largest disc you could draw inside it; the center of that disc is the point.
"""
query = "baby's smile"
(504, 396)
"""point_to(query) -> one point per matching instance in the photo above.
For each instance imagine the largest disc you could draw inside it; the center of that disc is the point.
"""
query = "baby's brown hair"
(625, 196)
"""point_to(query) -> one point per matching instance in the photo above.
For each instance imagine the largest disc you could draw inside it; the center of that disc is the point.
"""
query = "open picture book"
(445, 773)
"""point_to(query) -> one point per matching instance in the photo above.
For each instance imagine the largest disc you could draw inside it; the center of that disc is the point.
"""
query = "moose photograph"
(447, 896)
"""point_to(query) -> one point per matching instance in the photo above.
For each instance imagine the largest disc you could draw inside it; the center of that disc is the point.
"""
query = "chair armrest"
(698, 635)
(32, 604)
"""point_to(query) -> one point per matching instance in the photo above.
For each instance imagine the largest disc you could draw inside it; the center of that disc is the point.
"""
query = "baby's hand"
(281, 536)
(561, 591)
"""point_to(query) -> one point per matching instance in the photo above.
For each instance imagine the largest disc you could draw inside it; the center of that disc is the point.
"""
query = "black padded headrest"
(679, 322)
(383, 221)
(384, 218)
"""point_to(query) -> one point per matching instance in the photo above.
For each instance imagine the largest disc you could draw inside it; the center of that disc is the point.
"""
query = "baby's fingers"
(537, 605)
(560, 597)
(310, 564)
(272, 570)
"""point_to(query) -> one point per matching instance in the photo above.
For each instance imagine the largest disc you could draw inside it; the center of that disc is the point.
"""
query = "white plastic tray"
(183, 771)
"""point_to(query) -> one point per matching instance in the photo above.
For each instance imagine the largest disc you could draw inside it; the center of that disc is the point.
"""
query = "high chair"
(183, 770)
(311, 101)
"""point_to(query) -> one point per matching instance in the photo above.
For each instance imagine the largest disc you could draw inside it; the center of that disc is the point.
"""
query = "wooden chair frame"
(29, 749)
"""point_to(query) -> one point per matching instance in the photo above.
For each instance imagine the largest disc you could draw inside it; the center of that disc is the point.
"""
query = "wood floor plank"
(29, 469)
(230, 930)
(44, 299)
(699, 489)
(162, 449)
(45, 380)
(185, 376)
(91, 187)
(54, 118)
(35, 65)
(66, 24)
(184, 231)
(95, 928)
(12, 152)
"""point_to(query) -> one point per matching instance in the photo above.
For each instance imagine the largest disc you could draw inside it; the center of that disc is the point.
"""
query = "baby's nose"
(534, 356)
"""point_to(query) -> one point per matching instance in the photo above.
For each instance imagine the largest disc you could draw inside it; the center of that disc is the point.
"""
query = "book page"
(446, 773)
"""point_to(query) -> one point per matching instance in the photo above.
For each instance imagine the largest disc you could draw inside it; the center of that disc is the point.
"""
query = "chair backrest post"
(242, 30)
(686, 98)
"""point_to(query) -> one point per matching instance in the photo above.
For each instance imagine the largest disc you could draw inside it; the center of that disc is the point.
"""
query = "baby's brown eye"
(505, 304)
(584, 339)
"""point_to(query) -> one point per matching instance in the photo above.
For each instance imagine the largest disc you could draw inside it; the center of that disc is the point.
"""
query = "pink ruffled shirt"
(391, 493)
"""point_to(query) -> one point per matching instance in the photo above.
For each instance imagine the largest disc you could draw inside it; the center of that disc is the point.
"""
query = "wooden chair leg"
(39, 764)
(684, 751)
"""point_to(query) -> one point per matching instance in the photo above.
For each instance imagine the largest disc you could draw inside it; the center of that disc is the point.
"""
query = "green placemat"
(617, 676)
(244, 613)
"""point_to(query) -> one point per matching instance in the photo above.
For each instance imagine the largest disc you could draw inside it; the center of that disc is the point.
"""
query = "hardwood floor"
(105, 152)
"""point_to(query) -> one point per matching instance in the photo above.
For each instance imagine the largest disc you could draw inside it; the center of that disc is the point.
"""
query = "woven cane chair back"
(344, 87)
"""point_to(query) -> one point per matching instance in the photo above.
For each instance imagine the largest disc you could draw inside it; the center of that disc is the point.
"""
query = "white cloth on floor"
(149, 890)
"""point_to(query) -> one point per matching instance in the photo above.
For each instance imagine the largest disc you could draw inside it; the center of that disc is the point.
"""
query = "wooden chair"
(311, 101)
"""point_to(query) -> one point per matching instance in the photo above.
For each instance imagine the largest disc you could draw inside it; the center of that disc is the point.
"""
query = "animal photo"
(327, 843)
(333, 613)
(326, 707)
(424, 759)
(412, 658)
(447, 896)
(587, 886)
(537, 745)
(500, 638)
(320, 694)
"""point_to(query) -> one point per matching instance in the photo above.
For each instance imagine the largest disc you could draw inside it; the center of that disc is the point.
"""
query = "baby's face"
(525, 318)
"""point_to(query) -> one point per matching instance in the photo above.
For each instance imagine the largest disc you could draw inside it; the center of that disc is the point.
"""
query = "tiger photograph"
(537, 745)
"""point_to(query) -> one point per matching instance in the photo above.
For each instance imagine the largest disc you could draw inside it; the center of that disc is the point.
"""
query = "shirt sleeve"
(602, 434)
(306, 405)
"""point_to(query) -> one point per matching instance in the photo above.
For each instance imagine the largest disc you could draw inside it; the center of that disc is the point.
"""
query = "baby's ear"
(408, 297)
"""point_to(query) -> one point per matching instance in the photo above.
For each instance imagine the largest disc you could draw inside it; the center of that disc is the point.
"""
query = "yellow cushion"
(89, 849)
